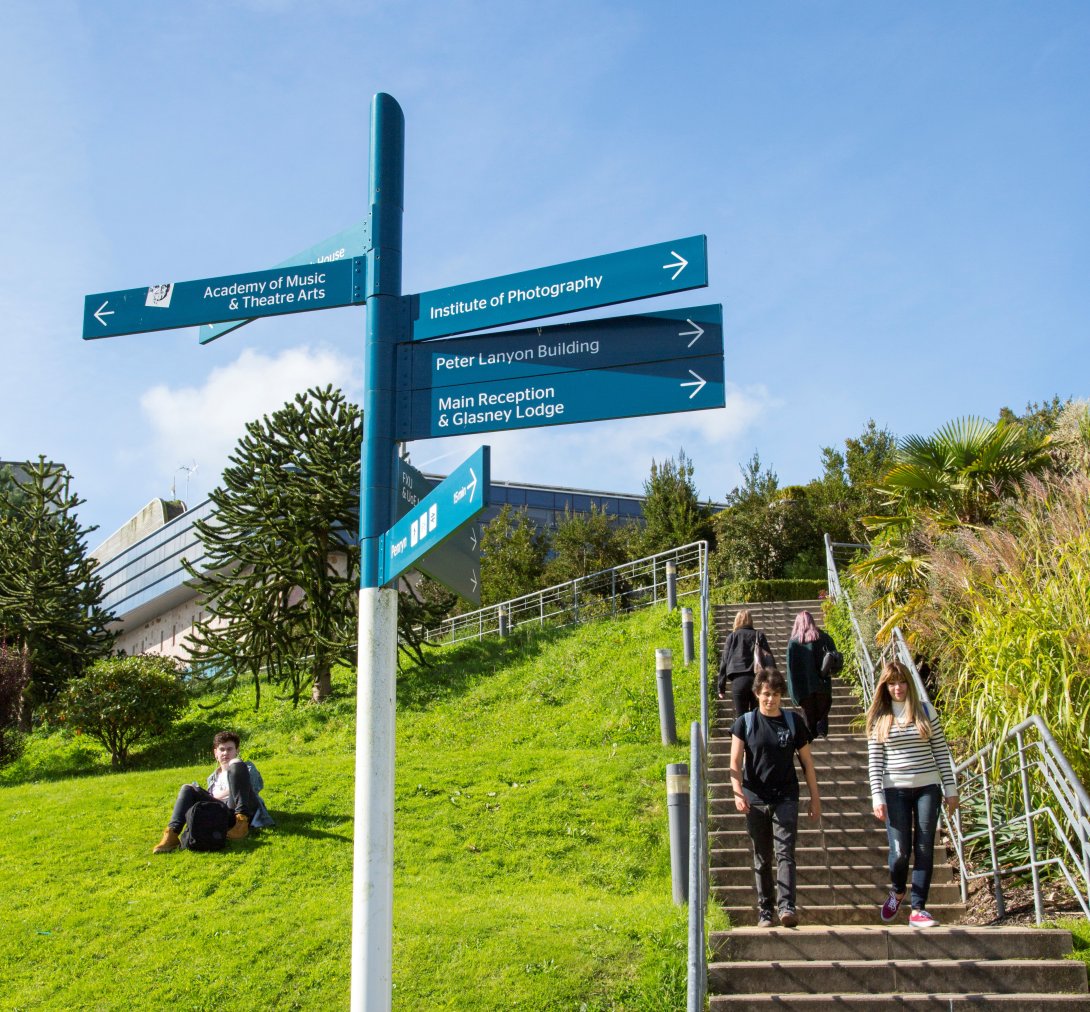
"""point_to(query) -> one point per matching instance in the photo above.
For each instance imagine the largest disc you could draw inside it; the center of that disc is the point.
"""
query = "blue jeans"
(777, 825)
(912, 816)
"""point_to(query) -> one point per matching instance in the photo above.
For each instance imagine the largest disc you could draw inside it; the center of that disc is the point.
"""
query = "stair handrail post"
(1000, 905)
(704, 609)
(1031, 834)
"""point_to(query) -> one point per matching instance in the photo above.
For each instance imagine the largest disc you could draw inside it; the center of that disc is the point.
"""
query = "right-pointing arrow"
(681, 263)
(696, 334)
(698, 382)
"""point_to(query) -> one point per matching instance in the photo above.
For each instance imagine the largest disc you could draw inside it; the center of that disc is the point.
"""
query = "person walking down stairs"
(910, 770)
(766, 790)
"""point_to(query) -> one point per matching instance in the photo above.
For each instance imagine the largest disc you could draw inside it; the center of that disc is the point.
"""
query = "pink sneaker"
(922, 919)
(891, 906)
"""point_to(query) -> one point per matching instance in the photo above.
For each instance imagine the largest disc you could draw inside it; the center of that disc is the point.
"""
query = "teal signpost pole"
(373, 856)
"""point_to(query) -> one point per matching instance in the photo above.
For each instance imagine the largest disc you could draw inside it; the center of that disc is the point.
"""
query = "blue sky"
(895, 198)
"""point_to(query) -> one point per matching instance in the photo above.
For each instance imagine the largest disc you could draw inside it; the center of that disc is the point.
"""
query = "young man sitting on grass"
(233, 783)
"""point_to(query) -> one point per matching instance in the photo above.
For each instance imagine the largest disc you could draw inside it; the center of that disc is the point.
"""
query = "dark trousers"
(815, 710)
(774, 827)
(912, 817)
(242, 801)
(741, 690)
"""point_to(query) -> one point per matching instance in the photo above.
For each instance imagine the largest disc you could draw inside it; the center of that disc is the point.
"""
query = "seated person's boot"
(169, 842)
(241, 829)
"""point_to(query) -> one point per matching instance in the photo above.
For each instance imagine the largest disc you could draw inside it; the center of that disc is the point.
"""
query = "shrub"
(14, 675)
(123, 701)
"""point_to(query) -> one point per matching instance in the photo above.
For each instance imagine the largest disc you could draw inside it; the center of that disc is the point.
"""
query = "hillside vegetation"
(531, 845)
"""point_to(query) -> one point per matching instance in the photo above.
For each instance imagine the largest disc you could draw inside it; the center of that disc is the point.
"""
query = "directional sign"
(565, 347)
(651, 388)
(352, 242)
(234, 297)
(456, 501)
(564, 288)
(456, 562)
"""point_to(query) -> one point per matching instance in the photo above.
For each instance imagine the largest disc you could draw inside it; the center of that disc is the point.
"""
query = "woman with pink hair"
(810, 687)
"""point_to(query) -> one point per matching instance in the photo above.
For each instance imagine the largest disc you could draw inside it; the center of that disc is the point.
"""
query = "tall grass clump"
(1007, 620)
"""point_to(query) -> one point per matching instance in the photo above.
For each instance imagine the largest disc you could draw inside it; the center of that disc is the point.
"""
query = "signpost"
(233, 297)
(354, 241)
(564, 288)
(565, 347)
(651, 388)
(416, 388)
(456, 562)
(454, 502)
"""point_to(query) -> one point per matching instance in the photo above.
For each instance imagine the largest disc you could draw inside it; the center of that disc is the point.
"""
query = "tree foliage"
(513, 553)
(122, 702)
(281, 567)
(585, 543)
(672, 511)
(51, 610)
(955, 479)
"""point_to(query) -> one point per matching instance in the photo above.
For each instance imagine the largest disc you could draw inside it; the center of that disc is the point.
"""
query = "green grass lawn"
(531, 870)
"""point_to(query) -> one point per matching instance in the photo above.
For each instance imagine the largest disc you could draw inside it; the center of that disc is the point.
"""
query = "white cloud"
(204, 423)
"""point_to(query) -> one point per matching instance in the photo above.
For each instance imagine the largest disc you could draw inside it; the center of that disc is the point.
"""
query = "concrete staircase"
(773, 618)
(842, 957)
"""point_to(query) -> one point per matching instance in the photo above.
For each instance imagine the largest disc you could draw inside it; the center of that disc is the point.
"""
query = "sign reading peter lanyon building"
(423, 381)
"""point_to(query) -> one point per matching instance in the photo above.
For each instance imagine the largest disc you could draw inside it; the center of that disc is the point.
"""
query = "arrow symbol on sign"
(473, 577)
(99, 313)
(473, 537)
(696, 335)
(681, 263)
(699, 383)
(472, 486)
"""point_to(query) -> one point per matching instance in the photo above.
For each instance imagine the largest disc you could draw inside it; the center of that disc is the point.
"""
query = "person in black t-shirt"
(766, 789)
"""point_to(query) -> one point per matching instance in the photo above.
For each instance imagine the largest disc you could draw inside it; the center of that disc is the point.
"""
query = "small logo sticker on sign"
(159, 296)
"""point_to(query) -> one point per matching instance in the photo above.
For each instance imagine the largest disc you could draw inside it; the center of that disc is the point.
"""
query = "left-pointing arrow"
(99, 314)
(698, 381)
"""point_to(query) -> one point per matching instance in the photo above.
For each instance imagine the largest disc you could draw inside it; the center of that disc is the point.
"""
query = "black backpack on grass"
(206, 825)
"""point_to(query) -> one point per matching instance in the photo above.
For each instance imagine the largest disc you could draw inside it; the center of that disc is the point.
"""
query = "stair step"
(787, 976)
(842, 914)
(894, 942)
(874, 876)
(944, 1001)
(820, 893)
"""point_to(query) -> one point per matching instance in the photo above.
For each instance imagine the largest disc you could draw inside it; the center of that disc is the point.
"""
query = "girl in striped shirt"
(910, 770)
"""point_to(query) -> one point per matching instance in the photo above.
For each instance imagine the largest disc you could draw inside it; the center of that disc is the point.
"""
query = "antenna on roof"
(190, 469)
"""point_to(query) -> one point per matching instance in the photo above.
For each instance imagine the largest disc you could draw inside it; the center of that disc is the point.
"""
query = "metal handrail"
(633, 585)
(1029, 790)
(698, 870)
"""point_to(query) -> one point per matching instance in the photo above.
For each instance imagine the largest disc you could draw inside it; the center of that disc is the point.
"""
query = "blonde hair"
(880, 711)
(743, 620)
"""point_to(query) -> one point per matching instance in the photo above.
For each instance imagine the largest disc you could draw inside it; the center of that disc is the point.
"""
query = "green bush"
(123, 701)
(768, 590)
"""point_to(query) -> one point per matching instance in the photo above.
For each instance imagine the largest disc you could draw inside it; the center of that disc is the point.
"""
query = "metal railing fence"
(698, 869)
(1022, 808)
(633, 585)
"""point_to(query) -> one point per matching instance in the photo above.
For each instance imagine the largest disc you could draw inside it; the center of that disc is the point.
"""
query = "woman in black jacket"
(810, 686)
(736, 663)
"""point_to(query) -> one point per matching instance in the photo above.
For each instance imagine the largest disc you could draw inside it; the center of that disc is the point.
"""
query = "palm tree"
(938, 484)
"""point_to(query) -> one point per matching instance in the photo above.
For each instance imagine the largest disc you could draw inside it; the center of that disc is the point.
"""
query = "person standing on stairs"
(810, 687)
(910, 771)
(736, 662)
(766, 790)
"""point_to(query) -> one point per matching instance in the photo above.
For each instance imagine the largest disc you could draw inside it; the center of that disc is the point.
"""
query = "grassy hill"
(531, 845)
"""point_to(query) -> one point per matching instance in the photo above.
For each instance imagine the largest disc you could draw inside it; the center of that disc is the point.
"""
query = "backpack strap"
(788, 716)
